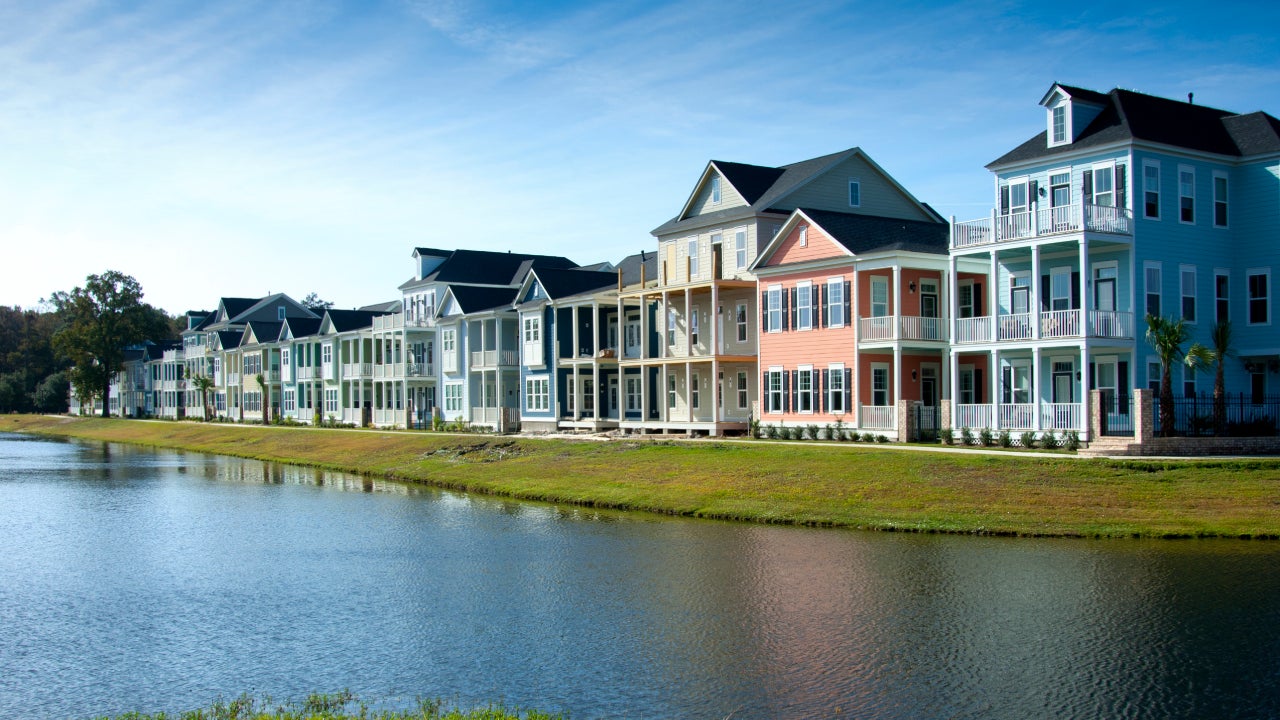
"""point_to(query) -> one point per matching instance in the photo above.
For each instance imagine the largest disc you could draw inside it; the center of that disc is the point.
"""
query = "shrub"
(830, 431)
(868, 437)
(1005, 439)
(1071, 440)
(1028, 439)
(947, 436)
(984, 437)
(813, 431)
(966, 436)
(771, 432)
(845, 435)
(753, 428)
(881, 439)
(1049, 441)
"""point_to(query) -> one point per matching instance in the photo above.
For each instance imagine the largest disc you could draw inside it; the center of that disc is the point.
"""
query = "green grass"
(829, 484)
(337, 706)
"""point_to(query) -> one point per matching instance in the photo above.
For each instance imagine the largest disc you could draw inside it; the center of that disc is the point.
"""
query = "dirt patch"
(478, 452)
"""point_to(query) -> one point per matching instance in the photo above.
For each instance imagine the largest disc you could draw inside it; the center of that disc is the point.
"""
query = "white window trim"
(537, 388)
(1148, 163)
(742, 328)
(803, 237)
(1054, 273)
(770, 293)
(716, 191)
(775, 371)
(1146, 290)
(1024, 182)
(1217, 273)
(804, 371)
(740, 248)
(1108, 167)
(1213, 190)
(838, 281)
(888, 384)
(1065, 105)
(1249, 298)
(836, 369)
(881, 281)
(693, 248)
(803, 323)
(1192, 170)
(742, 388)
(1182, 293)
(855, 183)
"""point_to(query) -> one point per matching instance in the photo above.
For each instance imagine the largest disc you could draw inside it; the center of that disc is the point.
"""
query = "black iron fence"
(928, 420)
(1116, 413)
(1233, 415)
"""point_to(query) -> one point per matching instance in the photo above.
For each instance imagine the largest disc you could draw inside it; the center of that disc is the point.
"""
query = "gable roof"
(472, 299)
(299, 327)
(229, 339)
(233, 307)
(1128, 116)
(865, 234)
(558, 283)
(262, 331)
(486, 267)
(348, 320)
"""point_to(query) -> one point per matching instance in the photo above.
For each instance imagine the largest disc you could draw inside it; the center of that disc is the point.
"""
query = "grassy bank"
(337, 706)
(819, 484)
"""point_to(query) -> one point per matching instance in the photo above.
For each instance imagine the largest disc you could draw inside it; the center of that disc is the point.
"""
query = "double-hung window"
(743, 394)
(1151, 283)
(671, 327)
(740, 248)
(693, 258)
(715, 189)
(1188, 287)
(1151, 189)
(671, 391)
(1259, 297)
(835, 389)
(1219, 199)
(537, 394)
(855, 193)
(775, 390)
(740, 317)
(804, 306)
(633, 394)
(775, 309)
(804, 390)
(1222, 295)
(835, 303)
(1186, 194)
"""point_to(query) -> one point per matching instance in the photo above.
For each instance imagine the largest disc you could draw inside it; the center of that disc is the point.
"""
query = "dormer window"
(715, 189)
(1059, 124)
(280, 313)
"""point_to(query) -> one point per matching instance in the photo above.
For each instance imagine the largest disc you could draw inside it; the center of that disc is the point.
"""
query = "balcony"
(388, 370)
(494, 358)
(1054, 325)
(419, 370)
(902, 327)
(357, 370)
(1042, 222)
(306, 373)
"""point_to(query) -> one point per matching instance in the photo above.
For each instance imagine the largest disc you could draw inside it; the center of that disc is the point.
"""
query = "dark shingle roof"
(560, 283)
(478, 299)
(630, 267)
(348, 320)
(863, 234)
(484, 267)
(237, 306)
(230, 339)
(1129, 115)
(265, 330)
(302, 327)
(751, 181)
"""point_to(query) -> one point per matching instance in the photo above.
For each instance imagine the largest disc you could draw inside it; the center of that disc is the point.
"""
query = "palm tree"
(1166, 336)
(1220, 335)
(204, 384)
(266, 399)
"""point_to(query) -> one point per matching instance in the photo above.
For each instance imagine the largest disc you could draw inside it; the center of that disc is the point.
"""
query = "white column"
(1085, 400)
(856, 375)
(663, 350)
(715, 320)
(1035, 292)
(689, 311)
(577, 346)
(595, 329)
(1084, 286)
(897, 302)
(994, 384)
(1037, 391)
(993, 295)
(953, 361)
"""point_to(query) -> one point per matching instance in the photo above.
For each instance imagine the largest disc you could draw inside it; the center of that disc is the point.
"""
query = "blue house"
(1125, 205)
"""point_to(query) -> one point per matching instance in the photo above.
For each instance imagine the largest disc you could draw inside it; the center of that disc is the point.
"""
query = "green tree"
(1166, 336)
(313, 303)
(99, 321)
(266, 399)
(204, 384)
(1220, 337)
(50, 395)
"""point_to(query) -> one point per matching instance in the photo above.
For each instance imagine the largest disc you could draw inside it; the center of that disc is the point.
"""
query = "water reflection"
(139, 579)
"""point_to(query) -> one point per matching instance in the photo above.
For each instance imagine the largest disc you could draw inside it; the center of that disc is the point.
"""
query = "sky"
(235, 149)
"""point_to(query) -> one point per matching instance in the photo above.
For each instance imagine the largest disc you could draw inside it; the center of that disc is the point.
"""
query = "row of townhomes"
(813, 293)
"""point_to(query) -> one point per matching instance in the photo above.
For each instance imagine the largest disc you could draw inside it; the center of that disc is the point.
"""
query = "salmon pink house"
(852, 321)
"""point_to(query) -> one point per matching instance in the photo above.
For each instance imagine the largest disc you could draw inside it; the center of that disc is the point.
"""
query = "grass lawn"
(836, 484)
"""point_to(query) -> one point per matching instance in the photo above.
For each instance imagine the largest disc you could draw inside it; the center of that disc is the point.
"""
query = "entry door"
(1105, 381)
(928, 386)
(1063, 382)
(930, 325)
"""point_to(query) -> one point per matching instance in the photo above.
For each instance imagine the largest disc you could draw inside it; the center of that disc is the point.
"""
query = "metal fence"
(1116, 413)
(928, 420)
(1237, 415)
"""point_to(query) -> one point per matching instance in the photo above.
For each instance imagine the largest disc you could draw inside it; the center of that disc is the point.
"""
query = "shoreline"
(842, 485)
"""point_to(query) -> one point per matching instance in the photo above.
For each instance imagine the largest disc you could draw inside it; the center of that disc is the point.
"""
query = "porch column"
(689, 311)
(993, 293)
(577, 346)
(896, 312)
(1035, 292)
(664, 351)
(716, 316)
(688, 385)
(1037, 389)
(996, 378)
(953, 296)
(953, 361)
(856, 375)
(498, 423)
(1085, 384)
(897, 375)
(1084, 285)
(576, 389)
(595, 329)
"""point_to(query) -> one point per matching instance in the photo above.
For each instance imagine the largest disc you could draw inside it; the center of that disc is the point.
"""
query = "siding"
(830, 191)
(729, 198)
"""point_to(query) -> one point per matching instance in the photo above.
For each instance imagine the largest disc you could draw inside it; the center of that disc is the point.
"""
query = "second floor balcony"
(901, 327)
(1054, 324)
(494, 358)
(1042, 222)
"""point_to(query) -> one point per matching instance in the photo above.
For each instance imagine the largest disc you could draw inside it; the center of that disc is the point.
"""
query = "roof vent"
(1191, 98)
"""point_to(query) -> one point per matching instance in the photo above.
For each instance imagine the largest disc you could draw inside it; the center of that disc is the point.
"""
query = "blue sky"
(238, 148)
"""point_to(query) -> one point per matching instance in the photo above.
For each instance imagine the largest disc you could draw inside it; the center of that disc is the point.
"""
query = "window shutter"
(822, 305)
(1121, 194)
(764, 311)
(1122, 385)
(848, 304)
(1006, 385)
(826, 383)
(1075, 291)
(788, 382)
(977, 299)
(764, 392)
(786, 311)
(795, 298)
(1044, 293)
(977, 386)
(1004, 199)
(1033, 191)
(848, 389)
(1086, 186)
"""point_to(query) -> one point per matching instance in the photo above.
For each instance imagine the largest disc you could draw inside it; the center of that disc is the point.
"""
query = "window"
(453, 397)
(740, 248)
(879, 385)
(775, 390)
(804, 390)
(879, 296)
(537, 394)
(1188, 382)
(835, 389)
(633, 394)
(744, 395)
(1259, 297)
(1151, 279)
(284, 357)
(695, 396)
(855, 193)
(1017, 201)
(1188, 285)
(1060, 288)
(1104, 181)
(740, 315)
(1060, 189)
(1153, 376)
(775, 309)
(965, 300)
(835, 303)
(1219, 199)
(326, 354)
(1257, 388)
(289, 403)
(804, 306)
(1151, 189)
(1060, 124)
(671, 326)
(715, 188)
(804, 235)
(331, 401)
(968, 391)
(671, 391)
(693, 326)
(1221, 295)
(280, 312)
(1186, 194)
(693, 258)
(588, 396)
(532, 329)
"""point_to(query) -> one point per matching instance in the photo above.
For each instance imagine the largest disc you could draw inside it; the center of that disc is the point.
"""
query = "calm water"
(141, 580)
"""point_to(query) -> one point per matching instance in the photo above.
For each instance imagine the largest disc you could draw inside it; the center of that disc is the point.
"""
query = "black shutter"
(1123, 385)
(1044, 293)
(1086, 186)
(786, 313)
(848, 304)
(848, 389)
(764, 311)
(826, 382)
(789, 401)
(1004, 199)
(1075, 291)
(977, 299)
(795, 298)
(1033, 190)
(1121, 194)
(1093, 376)
(1006, 384)
(764, 392)
(822, 306)
(977, 386)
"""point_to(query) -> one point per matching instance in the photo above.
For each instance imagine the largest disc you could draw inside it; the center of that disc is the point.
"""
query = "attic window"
(280, 313)
(855, 193)
(715, 189)
(1059, 124)
(804, 235)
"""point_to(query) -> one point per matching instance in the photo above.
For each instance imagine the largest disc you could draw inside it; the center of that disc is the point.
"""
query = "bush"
(1006, 440)
(1049, 441)
(868, 437)
(966, 436)
(1028, 439)
(830, 431)
(947, 436)
(985, 437)
(882, 439)
(771, 432)
(1071, 440)
(753, 428)
(813, 431)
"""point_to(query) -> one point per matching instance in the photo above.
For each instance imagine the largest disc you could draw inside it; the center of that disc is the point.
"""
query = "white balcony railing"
(1014, 327)
(491, 358)
(357, 370)
(975, 416)
(1108, 324)
(388, 370)
(306, 373)
(902, 327)
(419, 369)
(1061, 416)
(876, 328)
(1017, 416)
(1041, 222)
(974, 329)
(877, 417)
(1060, 324)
